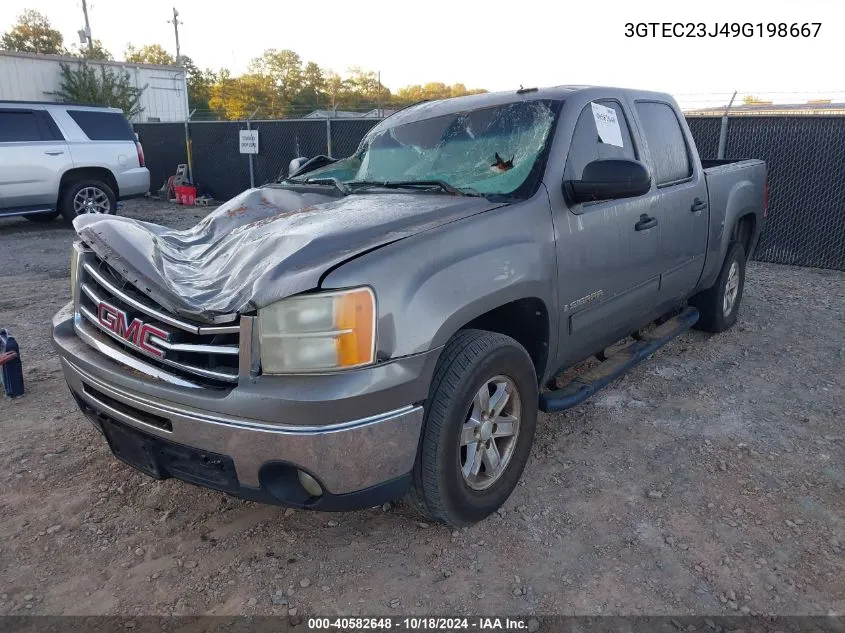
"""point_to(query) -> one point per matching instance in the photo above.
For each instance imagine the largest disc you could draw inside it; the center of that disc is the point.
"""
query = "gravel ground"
(709, 480)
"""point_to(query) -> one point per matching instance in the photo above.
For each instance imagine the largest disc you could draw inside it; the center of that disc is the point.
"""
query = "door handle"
(55, 153)
(645, 223)
(698, 205)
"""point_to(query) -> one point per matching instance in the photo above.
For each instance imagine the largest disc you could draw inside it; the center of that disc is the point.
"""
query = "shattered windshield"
(487, 151)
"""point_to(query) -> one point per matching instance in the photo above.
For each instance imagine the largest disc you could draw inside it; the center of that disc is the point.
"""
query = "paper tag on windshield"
(607, 125)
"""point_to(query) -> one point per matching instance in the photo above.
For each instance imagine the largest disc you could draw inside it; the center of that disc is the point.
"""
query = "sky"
(493, 44)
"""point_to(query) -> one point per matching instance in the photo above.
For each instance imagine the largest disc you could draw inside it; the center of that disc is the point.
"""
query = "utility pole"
(175, 21)
(87, 26)
(378, 95)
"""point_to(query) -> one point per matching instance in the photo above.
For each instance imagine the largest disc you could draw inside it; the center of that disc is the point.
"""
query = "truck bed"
(734, 187)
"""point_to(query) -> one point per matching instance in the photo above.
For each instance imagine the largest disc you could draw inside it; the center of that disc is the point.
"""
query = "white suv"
(69, 159)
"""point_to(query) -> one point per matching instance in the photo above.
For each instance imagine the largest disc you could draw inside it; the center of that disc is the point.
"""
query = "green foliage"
(33, 33)
(99, 86)
(97, 52)
(149, 54)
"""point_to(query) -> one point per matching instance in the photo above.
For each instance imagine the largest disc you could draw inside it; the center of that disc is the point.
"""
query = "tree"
(753, 100)
(33, 34)
(239, 97)
(313, 90)
(199, 86)
(284, 68)
(96, 52)
(149, 54)
(107, 87)
(433, 90)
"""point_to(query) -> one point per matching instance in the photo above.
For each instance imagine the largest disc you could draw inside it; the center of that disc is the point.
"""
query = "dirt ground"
(710, 480)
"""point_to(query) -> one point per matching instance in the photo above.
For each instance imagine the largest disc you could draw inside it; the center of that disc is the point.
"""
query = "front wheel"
(478, 429)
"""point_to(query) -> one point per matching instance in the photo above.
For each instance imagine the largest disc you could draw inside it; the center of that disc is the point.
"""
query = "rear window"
(666, 142)
(103, 126)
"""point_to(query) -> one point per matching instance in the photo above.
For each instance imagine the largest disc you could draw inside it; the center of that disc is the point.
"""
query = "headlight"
(318, 332)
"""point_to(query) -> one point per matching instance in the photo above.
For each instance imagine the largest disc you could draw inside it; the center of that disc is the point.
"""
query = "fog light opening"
(310, 484)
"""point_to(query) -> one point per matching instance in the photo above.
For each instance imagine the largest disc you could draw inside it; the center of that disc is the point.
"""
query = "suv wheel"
(87, 196)
(479, 425)
(719, 305)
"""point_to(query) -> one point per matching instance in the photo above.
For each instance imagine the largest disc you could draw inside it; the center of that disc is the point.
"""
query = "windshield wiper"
(336, 183)
(414, 184)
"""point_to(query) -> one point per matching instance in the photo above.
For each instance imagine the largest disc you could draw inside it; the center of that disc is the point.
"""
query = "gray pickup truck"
(390, 323)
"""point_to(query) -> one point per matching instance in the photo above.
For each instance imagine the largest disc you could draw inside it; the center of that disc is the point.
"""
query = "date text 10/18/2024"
(422, 624)
(722, 29)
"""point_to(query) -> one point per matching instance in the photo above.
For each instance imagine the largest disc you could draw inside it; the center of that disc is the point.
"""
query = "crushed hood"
(261, 246)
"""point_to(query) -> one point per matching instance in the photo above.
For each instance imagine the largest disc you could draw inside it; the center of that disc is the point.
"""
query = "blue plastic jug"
(13, 369)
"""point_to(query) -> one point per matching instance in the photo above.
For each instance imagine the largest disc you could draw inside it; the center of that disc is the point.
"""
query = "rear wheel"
(87, 196)
(719, 305)
(478, 429)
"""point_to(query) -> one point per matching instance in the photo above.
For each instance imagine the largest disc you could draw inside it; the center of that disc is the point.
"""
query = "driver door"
(608, 264)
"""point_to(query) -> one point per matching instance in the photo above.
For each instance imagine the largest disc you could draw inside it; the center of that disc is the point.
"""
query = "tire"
(104, 200)
(452, 439)
(42, 217)
(717, 312)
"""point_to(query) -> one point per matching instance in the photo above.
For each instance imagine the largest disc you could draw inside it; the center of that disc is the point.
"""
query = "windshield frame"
(525, 190)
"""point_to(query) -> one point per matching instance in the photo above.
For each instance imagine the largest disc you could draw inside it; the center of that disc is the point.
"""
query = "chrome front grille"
(209, 355)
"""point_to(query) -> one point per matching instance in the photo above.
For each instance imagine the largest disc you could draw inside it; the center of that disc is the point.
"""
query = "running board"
(586, 384)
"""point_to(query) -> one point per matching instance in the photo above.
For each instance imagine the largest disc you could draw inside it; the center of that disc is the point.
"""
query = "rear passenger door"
(33, 155)
(681, 200)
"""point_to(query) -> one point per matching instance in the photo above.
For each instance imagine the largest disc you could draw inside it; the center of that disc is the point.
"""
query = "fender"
(741, 198)
(430, 285)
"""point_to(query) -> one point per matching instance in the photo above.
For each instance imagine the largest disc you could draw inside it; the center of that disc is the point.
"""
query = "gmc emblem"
(137, 333)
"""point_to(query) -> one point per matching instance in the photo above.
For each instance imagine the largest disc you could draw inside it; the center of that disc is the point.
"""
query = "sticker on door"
(607, 125)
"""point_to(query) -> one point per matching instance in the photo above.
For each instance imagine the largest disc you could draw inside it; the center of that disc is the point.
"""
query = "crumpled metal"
(262, 245)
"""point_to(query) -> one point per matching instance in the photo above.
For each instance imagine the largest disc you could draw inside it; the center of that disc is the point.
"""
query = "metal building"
(31, 77)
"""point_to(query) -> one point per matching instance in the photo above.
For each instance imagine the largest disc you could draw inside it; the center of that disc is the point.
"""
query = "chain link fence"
(805, 157)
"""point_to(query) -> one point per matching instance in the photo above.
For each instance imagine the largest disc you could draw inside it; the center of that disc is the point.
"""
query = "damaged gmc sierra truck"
(390, 323)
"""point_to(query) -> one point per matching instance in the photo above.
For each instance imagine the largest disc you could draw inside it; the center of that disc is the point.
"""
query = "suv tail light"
(140, 154)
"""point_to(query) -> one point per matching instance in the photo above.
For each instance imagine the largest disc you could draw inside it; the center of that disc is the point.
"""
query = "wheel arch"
(87, 173)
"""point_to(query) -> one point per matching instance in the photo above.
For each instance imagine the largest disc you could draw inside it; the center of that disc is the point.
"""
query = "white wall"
(30, 77)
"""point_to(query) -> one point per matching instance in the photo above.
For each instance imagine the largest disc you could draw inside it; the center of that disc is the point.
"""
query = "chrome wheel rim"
(489, 433)
(731, 289)
(91, 200)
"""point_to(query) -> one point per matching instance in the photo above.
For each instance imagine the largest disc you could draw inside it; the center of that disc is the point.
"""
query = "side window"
(587, 144)
(666, 142)
(103, 126)
(19, 125)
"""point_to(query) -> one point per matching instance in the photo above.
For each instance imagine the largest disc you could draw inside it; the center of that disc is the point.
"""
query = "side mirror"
(609, 179)
(296, 164)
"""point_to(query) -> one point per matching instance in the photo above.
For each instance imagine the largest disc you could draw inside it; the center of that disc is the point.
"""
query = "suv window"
(103, 126)
(20, 125)
(666, 142)
(587, 144)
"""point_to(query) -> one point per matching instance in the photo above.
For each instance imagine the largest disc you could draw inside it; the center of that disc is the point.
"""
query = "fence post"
(329, 137)
(723, 132)
(251, 169)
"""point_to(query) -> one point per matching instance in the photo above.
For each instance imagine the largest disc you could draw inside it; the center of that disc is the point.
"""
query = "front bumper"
(360, 459)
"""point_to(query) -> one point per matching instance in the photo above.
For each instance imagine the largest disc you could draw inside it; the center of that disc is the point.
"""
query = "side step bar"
(586, 384)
